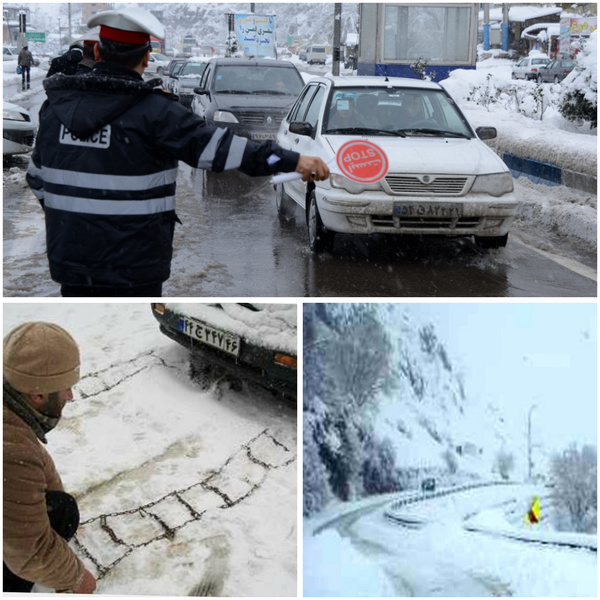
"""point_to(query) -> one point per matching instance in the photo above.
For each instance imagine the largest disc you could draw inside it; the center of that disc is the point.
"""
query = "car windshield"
(393, 111)
(194, 69)
(250, 79)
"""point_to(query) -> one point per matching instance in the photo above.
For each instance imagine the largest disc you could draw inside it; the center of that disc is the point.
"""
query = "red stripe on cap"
(120, 35)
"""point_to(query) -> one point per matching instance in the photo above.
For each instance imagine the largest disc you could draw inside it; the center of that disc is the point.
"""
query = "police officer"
(105, 165)
(67, 63)
(89, 40)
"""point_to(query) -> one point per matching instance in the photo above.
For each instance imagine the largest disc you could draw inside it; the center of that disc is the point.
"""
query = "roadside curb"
(548, 173)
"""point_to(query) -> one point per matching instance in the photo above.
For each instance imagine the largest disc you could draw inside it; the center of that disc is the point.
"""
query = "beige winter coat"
(32, 549)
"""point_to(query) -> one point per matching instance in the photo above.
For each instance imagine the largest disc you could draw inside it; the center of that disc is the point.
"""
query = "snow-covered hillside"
(430, 417)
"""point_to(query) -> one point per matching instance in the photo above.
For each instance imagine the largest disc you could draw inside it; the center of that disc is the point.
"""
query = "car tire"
(492, 242)
(159, 71)
(286, 207)
(556, 79)
(513, 76)
(320, 239)
(539, 79)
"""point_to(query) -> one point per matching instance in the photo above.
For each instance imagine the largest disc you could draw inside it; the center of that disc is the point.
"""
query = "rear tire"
(556, 79)
(493, 242)
(286, 207)
(320, 239)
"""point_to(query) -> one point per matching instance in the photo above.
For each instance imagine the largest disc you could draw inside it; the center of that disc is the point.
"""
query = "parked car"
(168, 75)
(256, 342)
(9, 53)
(157, 63)
(186, 79)
(18, 131)
(428, 485)
(528, 68)
(249, 96)
(555, 71)
(441, 178)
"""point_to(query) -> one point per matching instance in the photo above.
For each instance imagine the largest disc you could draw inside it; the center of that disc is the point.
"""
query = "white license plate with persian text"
(446, 210)
(263, 136)
(209, 335)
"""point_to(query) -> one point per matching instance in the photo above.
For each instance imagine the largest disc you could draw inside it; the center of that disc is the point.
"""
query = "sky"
(520, 354)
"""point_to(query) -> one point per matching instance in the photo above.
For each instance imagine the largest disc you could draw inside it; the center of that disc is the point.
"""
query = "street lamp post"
(529, 445)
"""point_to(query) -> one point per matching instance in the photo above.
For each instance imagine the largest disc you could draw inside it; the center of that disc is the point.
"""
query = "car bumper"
(18, 138)
(254, 363)
(365, 213)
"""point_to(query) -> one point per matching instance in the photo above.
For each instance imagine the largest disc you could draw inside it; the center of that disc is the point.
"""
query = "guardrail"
(415, 521)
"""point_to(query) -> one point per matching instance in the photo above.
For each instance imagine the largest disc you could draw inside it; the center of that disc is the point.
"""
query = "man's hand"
(312, 168)
(87, 585)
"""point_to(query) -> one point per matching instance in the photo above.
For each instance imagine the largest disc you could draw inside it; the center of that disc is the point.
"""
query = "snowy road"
(181, 491)
(212, 258)
(441, 558)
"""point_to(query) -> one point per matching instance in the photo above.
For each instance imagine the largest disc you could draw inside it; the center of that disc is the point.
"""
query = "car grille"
(438, 186)
(408, 223)
(256, 118)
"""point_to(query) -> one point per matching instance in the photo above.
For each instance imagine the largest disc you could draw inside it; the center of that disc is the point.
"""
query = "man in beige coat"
(41, 364)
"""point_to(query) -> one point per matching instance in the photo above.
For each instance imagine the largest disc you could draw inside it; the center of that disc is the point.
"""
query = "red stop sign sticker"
(362, 161)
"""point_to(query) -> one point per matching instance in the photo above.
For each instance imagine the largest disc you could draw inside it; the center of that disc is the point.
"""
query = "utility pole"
(529, 444)
(337, 36)
(252, 5)
(69, 13)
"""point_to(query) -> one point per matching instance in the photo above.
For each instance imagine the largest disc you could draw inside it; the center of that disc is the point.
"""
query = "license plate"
(447, 210)
(209, 335)
(263, 136)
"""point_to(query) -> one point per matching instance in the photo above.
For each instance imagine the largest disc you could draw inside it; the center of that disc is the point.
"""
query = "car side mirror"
(486, 133)
(302, 128)
(200, 91)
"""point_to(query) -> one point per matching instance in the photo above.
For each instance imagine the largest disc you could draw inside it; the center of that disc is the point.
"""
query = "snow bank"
(332, 567)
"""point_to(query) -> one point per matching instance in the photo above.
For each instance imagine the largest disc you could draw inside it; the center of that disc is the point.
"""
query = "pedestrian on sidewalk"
(25, 61)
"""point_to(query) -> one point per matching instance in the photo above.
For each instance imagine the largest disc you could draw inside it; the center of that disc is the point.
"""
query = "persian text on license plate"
(263, 136)
(209, 335)
(447, 210)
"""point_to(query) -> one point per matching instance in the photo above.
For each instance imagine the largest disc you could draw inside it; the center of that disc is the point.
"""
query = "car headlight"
(224, 117)
(352, 187)
(495, 184)
(12, 115)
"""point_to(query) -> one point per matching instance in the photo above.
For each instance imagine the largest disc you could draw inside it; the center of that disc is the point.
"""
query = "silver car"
(528, 68)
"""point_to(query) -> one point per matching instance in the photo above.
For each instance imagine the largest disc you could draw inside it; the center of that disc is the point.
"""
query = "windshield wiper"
(437, 132)
(272, 93)
(233, 92)
(366, 131)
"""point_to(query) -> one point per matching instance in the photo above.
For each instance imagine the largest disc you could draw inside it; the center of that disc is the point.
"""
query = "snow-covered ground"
(354, 550)
(181, 491)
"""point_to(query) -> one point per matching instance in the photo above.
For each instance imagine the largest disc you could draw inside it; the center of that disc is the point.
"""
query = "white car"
(18, 131)
(441, 178)
(187, 79)
(157, 63)
(9, 53)
(528, 68)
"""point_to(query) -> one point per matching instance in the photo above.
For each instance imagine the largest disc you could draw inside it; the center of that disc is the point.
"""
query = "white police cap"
(91, 36)
(132, 25)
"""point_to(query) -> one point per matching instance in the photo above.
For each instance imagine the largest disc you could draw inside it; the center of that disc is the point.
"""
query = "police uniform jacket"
(104, 168)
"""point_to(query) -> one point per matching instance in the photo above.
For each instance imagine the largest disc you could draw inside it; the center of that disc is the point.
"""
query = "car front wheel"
(492, 242)
(539, 79)
(556, 79)
(513, 76)
(320, 239)
(286, 207)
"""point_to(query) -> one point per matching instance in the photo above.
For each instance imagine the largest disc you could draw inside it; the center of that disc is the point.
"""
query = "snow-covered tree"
(504, 464)
(574, 475)
(579, 94)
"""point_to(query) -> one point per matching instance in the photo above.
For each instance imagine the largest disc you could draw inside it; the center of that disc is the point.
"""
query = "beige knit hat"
(40, 358)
